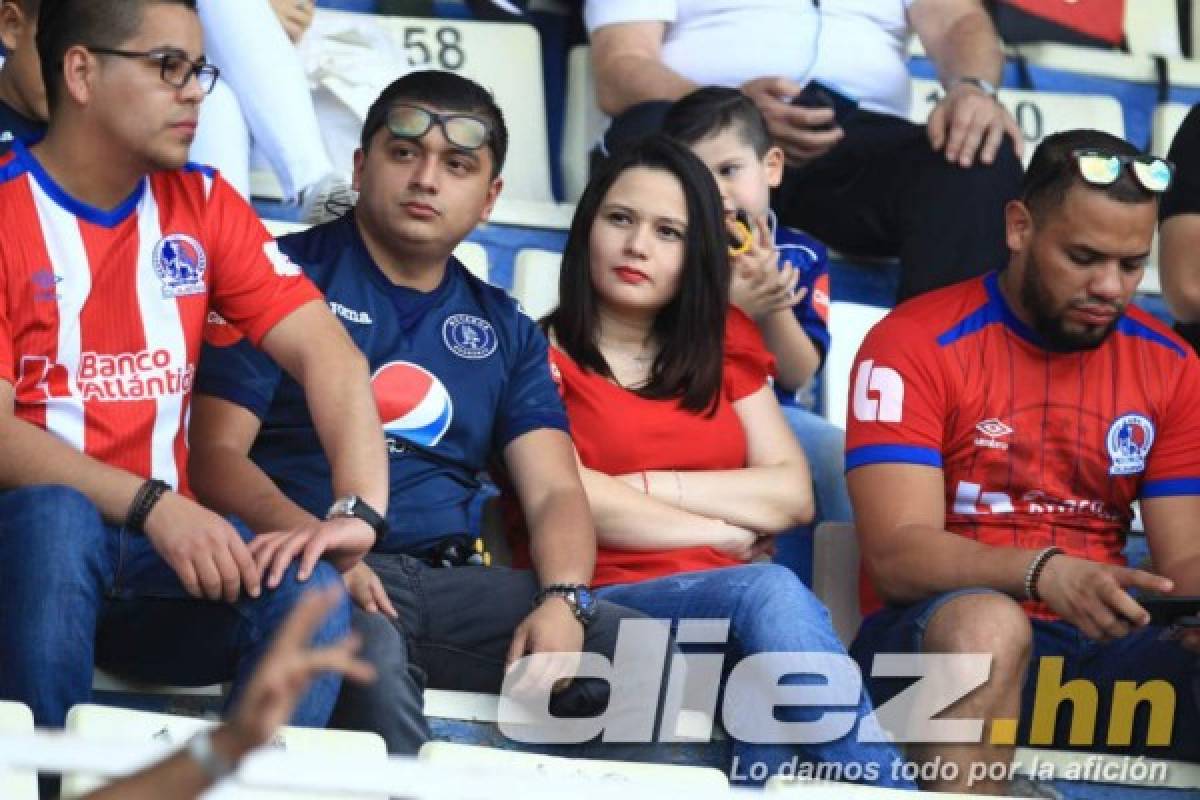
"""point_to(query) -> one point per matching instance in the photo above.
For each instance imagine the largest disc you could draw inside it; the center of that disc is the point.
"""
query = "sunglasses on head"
(462, 130)
(1100, 168)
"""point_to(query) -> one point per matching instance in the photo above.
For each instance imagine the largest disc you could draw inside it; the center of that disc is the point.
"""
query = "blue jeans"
(825, 450)
(75, 591)
(769, 611)
(1139, 657)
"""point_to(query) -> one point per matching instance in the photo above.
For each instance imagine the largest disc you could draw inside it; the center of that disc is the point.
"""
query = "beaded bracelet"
(1035, 571)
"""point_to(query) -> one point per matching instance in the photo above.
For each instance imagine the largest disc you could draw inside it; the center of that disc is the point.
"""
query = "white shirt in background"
(861, 45)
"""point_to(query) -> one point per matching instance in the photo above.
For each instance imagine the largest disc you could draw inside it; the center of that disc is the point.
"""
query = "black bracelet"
(143, 503)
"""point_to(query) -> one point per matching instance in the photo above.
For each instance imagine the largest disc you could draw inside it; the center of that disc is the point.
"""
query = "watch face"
(583, 596)
(343, 507)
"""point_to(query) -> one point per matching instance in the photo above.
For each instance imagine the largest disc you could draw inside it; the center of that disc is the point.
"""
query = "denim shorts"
(1142, 656)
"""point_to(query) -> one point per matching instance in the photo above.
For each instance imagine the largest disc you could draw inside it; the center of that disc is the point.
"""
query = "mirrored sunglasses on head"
(1101, 168)
(462, 130)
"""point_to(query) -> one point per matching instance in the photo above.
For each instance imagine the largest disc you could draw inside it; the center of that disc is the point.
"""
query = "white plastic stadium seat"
(1090, 61)
(103, 723)
(14, 785)
(505, 58)
(583, 123)
(848, 326)
(107, 724)
(474, 257)
(104, 682)
(469, 706)
(1038, 113)
(528, 214)
(278, 227)
(535, 281)
(1152, 27)
(680, 778)
(1167, 119)
(831, 790)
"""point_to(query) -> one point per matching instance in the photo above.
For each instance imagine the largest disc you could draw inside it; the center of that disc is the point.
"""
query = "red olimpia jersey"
(1037, 447)
(103, 311)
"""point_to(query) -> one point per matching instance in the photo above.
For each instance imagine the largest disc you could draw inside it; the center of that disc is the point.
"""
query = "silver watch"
(979, 83)
(214, 765)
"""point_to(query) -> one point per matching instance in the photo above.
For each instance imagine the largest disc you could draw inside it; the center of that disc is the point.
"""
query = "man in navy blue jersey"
(462, 381)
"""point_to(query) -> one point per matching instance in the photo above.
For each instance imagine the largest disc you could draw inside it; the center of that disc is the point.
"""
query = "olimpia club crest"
(180, 264)
(1129, 440)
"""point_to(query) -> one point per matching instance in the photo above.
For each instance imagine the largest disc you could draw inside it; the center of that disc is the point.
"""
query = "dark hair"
(63, 24)
(691, 327)
(448, 91)
(711, 110)
(1053, 171)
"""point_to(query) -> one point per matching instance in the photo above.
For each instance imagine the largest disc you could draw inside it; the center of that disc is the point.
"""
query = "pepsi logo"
(412, 402)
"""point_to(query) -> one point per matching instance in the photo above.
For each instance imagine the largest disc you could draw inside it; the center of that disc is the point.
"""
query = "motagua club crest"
(468, 336)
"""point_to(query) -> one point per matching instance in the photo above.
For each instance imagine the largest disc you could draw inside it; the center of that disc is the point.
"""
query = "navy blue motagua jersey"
(458, 373)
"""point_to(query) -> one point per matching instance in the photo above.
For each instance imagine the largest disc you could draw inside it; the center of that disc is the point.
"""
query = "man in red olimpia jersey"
(1000, 430)
(113, 252)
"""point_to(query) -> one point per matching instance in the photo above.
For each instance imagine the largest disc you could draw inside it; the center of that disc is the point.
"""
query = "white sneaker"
(327, 199)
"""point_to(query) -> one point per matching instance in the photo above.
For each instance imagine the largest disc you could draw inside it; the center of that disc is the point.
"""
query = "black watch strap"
(355, 506)
(577, 595)
(148, 494)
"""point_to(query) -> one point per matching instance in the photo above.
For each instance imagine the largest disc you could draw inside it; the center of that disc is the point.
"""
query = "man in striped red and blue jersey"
(1000, 431)
(113, 254)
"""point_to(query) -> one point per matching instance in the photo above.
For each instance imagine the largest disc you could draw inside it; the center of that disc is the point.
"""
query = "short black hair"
(63, 24)
(448, 91)
(711, 110)
(1053, 172)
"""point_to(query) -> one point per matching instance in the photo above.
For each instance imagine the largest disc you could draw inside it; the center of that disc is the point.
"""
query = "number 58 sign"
(1038, 114)
(433, 47)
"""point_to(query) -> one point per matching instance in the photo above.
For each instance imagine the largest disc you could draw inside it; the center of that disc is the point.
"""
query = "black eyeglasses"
(1101, 168)
(462, 130)
(175, 68)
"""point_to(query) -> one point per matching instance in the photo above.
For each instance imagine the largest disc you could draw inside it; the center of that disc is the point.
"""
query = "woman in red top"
(688, 463)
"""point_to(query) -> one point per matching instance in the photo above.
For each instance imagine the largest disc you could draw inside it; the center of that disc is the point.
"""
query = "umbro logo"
(992, 429)
(45, 285)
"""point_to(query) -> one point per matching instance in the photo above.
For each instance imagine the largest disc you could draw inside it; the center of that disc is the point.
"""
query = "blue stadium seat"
(365, 6)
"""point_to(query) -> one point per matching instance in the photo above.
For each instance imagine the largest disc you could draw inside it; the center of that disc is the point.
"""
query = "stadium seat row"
(1056, 87)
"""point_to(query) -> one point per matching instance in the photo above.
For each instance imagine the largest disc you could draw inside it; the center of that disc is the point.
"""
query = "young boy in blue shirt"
(781, 277)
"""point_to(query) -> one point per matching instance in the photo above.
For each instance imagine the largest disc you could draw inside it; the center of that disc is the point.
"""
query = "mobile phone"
(817, 95)
(1182, 611)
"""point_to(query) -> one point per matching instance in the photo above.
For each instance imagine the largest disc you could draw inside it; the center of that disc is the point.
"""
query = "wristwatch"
(354, 507)
(578, 596)
(214, 765)
(979, 83)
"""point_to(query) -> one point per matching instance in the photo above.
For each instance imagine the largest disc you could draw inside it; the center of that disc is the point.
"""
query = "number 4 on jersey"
(878, 394)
